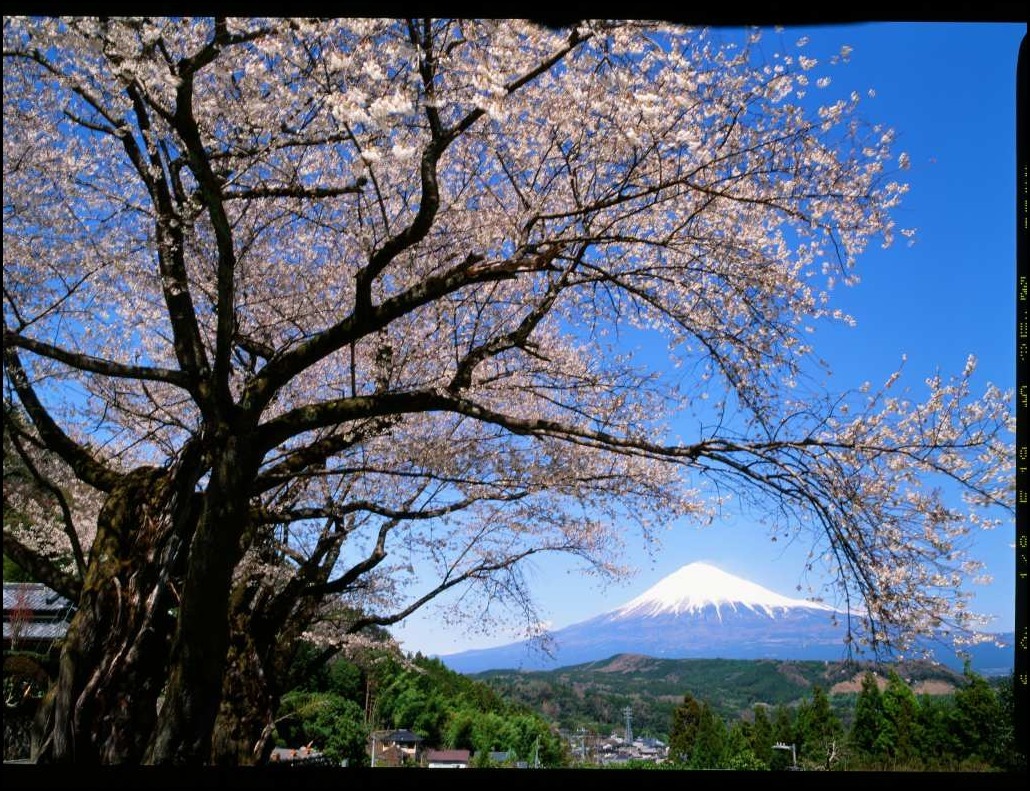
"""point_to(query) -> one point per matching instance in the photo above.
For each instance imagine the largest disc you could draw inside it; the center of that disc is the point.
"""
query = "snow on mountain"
(698, 611)
(697, 586)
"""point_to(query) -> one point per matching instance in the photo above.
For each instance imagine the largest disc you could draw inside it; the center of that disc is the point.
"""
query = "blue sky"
(949, 91)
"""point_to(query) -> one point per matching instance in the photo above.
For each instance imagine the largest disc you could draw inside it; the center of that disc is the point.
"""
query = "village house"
(396, 748)
(35, 621)
(35, 617)
(447, 759)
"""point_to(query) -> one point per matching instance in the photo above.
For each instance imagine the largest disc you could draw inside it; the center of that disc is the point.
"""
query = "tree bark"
(201, 643)
(265, 631)
(244, 728)
(103, 706)
(157, 651)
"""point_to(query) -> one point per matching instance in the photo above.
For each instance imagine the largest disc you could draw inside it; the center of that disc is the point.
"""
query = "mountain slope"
(596, 694)
(699, 611)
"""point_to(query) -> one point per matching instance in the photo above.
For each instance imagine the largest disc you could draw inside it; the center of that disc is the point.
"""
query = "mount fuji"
(697, 612)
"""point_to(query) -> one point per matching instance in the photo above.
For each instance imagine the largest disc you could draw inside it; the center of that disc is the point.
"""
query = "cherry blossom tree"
(314, 320)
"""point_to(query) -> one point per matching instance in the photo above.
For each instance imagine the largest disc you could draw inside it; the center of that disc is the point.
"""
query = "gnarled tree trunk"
(104, 703)
(265, 630)
(244, 727)
(202, 638)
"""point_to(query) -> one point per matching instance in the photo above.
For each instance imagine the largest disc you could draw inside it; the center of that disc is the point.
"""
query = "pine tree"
(820, 732)
(686, 720)
(900, 736)
(869, 718)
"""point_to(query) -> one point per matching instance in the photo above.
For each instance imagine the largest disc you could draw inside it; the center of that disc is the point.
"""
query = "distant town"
(404, 748)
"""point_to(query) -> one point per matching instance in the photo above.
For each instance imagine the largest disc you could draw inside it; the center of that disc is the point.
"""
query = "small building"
(35, 617)
(447, 759)
(36, 620)
(396, 748)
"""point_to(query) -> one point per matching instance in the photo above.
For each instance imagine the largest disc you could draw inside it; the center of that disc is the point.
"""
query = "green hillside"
(710, 713)
(595, 695)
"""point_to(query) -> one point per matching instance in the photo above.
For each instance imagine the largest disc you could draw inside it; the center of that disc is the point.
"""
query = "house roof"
(402, 736)
(35, 597)
(391, 756)
(448, 756)
(294, 754)
(34, 631)
(34, 613)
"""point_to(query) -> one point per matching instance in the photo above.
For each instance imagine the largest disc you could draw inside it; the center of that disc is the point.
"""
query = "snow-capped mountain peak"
(698, 611)
(697, 586)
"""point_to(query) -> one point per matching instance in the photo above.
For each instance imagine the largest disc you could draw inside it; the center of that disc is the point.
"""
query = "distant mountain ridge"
(700, 612)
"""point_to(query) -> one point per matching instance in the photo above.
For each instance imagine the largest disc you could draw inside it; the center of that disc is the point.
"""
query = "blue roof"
(402, 736)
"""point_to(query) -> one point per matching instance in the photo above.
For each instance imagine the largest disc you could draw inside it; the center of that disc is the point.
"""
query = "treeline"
(336, 706)
(887, 726)
(893, 729)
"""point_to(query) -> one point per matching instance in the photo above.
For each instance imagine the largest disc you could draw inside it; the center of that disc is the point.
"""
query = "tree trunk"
(157, 652)
(244, 729)
(103, 706)
(265, 631)
(201, 644)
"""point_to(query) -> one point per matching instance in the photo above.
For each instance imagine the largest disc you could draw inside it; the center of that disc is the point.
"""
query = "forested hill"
(596, 694)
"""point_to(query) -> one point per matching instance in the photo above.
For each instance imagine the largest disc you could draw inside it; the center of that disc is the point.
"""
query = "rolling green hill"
(596, 695)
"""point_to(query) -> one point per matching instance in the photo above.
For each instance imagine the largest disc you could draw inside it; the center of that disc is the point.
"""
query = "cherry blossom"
(327, 317)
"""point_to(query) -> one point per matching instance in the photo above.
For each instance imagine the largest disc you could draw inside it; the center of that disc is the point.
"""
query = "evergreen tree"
(709, 742)
(686, 720)
(1011, 752)
(937, 745)
(978, 717)
(869, 719)
(738, 753)
(783, 733)
(900, 737)
(762, 737)
(820, 732)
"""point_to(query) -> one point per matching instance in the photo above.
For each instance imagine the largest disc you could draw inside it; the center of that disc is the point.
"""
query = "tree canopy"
(325, 317)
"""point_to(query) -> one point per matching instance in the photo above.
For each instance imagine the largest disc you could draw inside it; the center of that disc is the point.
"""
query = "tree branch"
(85, 466)
(40, 568)
(97, 365)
